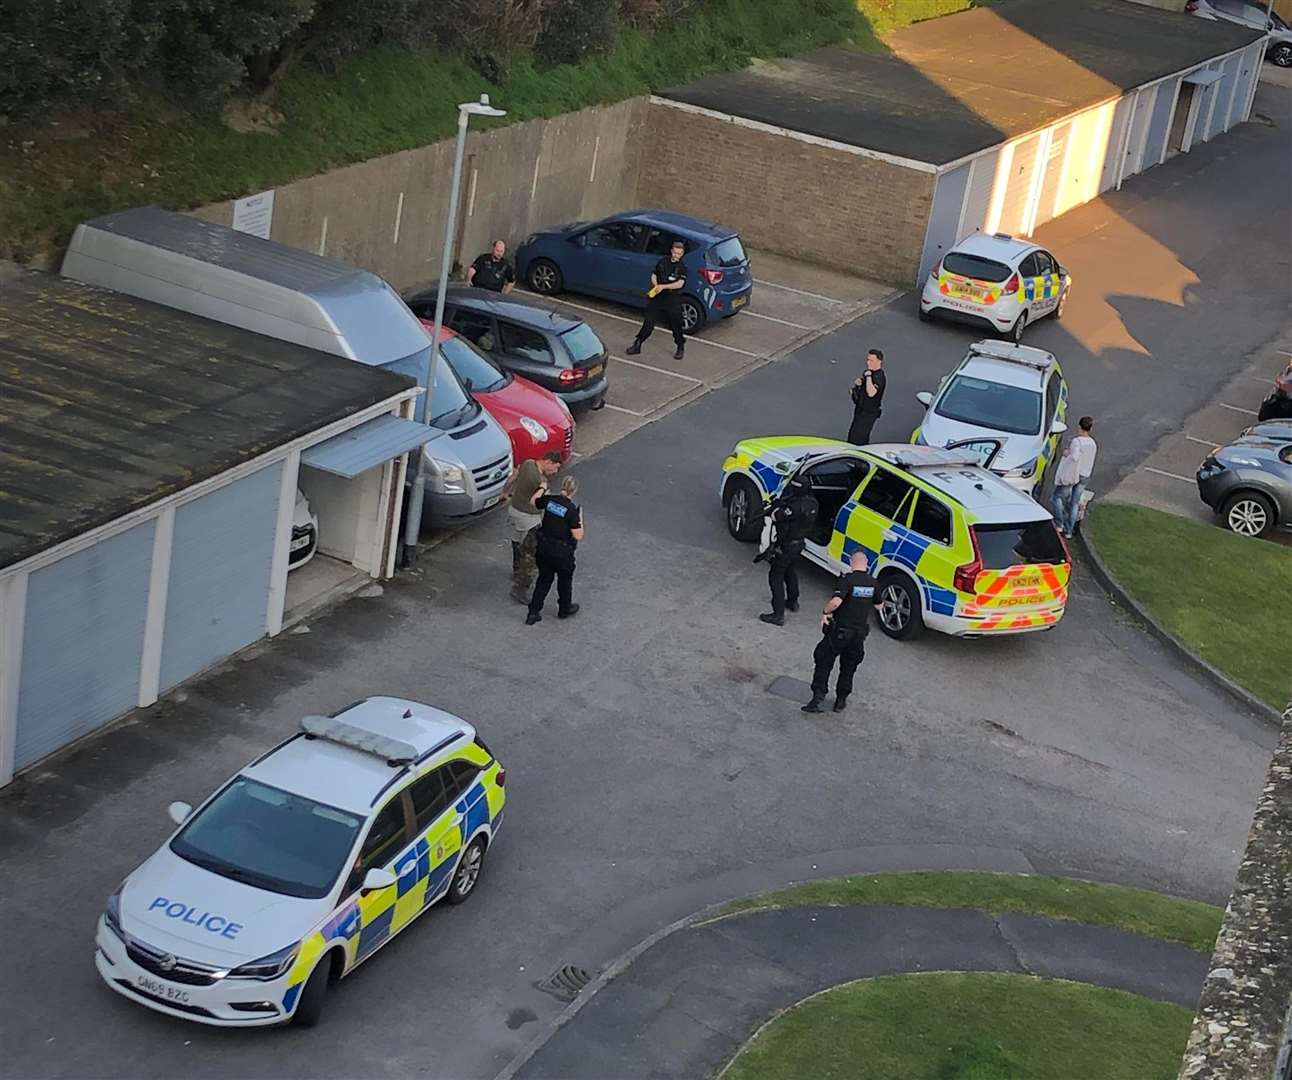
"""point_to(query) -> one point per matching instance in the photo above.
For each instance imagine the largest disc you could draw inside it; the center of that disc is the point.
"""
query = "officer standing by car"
(666, 282)
(493, 270)
(792, 518)
(558, 535)
(867, 395)
(845, 622)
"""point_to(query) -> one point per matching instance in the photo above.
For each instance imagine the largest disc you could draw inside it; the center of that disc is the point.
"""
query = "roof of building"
(953, 86)
(108, 404)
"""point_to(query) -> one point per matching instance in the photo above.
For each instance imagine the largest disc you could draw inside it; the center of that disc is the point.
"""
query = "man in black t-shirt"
(666, 282)
(793, 516)
(845, 622)
(493, 270)
(559, 534)
(867, 398)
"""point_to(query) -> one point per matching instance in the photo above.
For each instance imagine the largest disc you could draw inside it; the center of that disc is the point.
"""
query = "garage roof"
(959, 84)
(108, 404)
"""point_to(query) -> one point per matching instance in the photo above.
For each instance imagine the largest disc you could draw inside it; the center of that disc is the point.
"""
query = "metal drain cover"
(566, 982)
(793, 689)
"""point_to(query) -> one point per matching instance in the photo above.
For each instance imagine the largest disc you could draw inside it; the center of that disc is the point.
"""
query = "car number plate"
(973, 292)
(492, 501)
(1031, 581)
(593, 372)
(303, 542)
(740, 301)
(162, 990)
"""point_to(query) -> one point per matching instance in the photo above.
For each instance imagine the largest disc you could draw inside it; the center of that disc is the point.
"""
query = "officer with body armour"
(845, 622)
(792, 516)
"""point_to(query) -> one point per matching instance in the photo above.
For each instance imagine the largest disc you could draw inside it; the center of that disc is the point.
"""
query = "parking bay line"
(657, 370)
(1235, 408)
(620, 408)
(1201, 442)
(800, 292)
(772, 318)
(1163, 472)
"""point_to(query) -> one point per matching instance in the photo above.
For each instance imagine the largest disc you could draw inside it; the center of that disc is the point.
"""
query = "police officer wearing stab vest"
(792, 518)
(666, 283)
(559, 534)
(845, 622)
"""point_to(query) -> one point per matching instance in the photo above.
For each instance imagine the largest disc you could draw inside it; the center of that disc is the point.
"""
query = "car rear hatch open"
(1018, 579)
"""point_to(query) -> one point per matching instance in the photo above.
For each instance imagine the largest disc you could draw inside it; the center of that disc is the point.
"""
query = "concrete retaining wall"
(388, 214)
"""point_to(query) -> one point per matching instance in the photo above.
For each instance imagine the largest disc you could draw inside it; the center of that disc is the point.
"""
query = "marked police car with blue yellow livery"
(953, 546)
(303, 865)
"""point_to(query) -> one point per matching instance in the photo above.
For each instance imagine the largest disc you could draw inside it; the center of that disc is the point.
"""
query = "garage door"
(1224, 97)
(83, 642)
(1112, 154)
(1160, 122)
(944, 218)
(982, 180)
(1242, 89)
(1018, 190)
(219, 574)
(1053, 173)
(1139, 132)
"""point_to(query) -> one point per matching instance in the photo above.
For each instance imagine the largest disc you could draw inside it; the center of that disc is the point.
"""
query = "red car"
(536, 420)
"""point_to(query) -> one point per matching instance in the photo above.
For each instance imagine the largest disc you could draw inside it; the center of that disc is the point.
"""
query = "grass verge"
(380, 102)
(962, 1026)
(1136, 910)
(1210, 588)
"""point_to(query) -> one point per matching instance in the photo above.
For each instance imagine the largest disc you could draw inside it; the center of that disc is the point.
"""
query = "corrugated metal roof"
(366, 446)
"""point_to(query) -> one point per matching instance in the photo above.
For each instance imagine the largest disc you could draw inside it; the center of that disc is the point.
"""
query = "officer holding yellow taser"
(666, 283)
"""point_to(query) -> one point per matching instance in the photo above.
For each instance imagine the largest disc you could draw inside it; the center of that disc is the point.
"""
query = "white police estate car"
(303, 865)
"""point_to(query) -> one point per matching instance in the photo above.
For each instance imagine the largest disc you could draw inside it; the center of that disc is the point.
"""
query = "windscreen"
(728, 252)
(450, 405)
(1002, 546)
(974, 266)
(270, 839)
(582, 343)
(991, 405)
(470, 365)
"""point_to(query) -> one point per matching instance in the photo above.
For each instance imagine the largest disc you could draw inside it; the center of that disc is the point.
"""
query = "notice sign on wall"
(254, 214)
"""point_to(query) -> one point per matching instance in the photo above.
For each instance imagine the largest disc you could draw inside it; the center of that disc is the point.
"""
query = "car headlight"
(268, 967)
(446, 476)
(112, 913)
(1024, 470)
(535, 429)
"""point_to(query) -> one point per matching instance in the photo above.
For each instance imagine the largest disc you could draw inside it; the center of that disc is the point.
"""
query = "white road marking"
(636, 322)
(1202, 442)
(584, 307)
(620, 408)
(772, 318)
(800, 292)
(657, 370)
(1173, 476)
(1235, 408)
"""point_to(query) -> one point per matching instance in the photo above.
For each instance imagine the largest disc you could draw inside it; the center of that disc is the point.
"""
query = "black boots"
(814, 706)
(634, 348)
(840, 702)
(772, 618)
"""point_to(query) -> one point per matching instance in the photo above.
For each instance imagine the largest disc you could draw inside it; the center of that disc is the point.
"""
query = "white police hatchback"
(303, 865)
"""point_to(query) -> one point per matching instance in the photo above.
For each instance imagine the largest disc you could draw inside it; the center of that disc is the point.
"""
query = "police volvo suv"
(303, 865)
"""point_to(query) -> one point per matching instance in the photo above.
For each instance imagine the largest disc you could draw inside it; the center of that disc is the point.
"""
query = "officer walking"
(867, 395)
(558, 535)
(666, 281)
(493, 270)
(792, 519)
(845, 622)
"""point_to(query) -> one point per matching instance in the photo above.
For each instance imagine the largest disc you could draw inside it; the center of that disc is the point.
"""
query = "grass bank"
(1136, 910)
(1215, 591)
(954, 1026)
(381, 102)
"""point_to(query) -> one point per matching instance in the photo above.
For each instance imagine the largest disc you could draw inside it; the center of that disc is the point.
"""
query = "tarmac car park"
(1008, 403)
(997, 281)
(954, 547)
(304, 864)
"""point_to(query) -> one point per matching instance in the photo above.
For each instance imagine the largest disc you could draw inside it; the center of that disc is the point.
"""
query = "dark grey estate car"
(1249, 482)
(559, 352)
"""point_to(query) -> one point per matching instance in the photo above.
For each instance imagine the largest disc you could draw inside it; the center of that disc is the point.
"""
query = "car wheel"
(310, 1007)
(1063, 299)
(467, 874)
(544, 276)
(692, 315)
(744, 505)
(898, 609)
(1281, 55)
(1016, 331)
(1248, 513)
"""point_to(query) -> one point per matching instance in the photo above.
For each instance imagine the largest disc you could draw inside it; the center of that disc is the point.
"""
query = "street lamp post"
(413, 526)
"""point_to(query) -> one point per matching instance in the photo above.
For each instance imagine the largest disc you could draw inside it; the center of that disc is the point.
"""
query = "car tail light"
(935, 270)
(571, 375)
(1191, 6)
(1011, 286)
(711, 275)
(501, 778)
(966, 576)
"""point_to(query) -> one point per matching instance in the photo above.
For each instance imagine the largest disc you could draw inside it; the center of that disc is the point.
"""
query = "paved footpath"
(687, 1004)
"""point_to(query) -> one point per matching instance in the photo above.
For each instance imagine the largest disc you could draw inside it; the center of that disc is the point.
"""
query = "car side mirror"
(579, 241)
(1058, 427)
(924, 398)
(377, 879)
(179, 812)
(782, 467)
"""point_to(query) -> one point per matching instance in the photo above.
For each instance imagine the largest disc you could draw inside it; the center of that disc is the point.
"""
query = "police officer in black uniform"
(493, 270)
(793, 516)
(666, 283)
(559, 534)
(845, 622)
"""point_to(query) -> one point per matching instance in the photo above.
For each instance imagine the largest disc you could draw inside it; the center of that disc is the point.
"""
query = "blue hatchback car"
(613, 259)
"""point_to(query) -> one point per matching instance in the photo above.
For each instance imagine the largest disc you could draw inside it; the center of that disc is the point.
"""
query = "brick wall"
(787, 196)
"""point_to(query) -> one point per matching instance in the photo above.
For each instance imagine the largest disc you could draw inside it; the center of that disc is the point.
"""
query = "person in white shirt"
(1075, 467)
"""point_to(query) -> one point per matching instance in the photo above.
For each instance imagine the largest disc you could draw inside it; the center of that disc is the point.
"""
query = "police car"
(997, 281)
(1006, 403)
(953, 546)
(303, 865)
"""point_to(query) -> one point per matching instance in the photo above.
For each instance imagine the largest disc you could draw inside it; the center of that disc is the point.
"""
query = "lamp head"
(481, 108)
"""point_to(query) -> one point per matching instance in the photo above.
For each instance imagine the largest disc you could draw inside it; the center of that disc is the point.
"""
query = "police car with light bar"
(303, 865)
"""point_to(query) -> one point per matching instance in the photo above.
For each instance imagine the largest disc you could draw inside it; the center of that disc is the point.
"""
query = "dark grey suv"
(1249, 482)
(560, 353)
